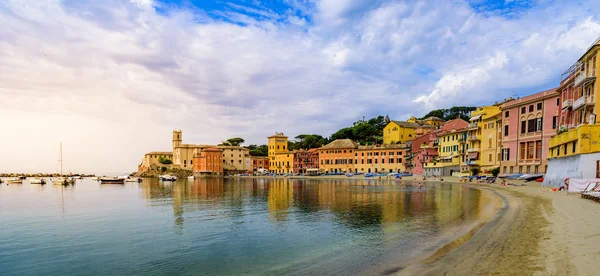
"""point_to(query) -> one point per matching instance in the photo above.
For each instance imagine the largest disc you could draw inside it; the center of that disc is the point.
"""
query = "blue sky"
(124, 73)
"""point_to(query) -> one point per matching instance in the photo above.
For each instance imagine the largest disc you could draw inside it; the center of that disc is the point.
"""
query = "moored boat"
(167, 177)
(16, 180)
(40, 181)
(111, 180)
(132, 179)
(59, 181)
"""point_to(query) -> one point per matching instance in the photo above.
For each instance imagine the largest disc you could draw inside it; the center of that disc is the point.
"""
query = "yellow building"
(279, 154)
(153, 158)
(574, 152)
(484, 137)
(283, 162)
(452, 147)
(398, 132)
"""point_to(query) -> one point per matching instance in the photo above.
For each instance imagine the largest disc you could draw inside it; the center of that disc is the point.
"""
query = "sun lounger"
(592, 191)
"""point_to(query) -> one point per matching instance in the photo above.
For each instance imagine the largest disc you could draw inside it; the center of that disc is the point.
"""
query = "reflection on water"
(228, 226)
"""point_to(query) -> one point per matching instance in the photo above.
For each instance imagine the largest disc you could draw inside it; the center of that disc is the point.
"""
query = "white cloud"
(112, 78)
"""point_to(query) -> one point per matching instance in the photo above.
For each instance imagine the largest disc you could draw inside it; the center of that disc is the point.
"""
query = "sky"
(111, 79)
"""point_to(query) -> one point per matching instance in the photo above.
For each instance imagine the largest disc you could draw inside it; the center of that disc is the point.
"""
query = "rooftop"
(160, 153)
(374, 147)
(341, 144)
(531, 98)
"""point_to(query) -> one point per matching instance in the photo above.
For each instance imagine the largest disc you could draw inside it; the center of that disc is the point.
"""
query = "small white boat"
(58, 180)
(133, 179)
(190, 177)
(111, 180)
(16, 180)
(167, 177)
(40, 181)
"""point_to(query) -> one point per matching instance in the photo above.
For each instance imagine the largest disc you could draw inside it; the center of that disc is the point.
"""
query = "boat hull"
(112, 181)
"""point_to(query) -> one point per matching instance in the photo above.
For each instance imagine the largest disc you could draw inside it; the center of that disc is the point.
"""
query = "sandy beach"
(535, 232)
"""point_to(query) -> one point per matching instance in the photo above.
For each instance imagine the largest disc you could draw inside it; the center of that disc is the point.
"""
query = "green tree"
(496, 171)
(236, 141)
(475, 171)
(164, 160)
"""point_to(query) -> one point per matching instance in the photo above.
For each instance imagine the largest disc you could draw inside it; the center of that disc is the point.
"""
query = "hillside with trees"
(452, 113)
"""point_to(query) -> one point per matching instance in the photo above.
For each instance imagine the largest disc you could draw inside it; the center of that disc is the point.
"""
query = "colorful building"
(452, 147)
(483, 138)
(423, 151)
(398, 132)
(575, 151)
(236, 159)
(337, 156)
(208, 161)
(306, 161)
(260, 162)
(282, 162)
(279, 154)
(380, 159)
(527, 125)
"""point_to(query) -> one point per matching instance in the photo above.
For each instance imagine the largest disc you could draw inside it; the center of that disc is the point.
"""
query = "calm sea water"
(228, 226)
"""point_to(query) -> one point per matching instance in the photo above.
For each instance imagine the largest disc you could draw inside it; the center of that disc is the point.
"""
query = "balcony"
(473, 126)
(584, 77)
(461, 140)
(473, 138)
(473, 150)
(583, 101)
(567, 103)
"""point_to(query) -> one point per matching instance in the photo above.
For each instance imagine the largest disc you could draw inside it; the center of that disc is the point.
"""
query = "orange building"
(260, 162)
(209, 161)
(337, 156)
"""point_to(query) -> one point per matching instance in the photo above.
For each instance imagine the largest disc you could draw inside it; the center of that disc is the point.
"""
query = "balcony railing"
(578, 103)
(473, 138)
(473, 125)
(584, 77)
(567, 103)
(473, 150)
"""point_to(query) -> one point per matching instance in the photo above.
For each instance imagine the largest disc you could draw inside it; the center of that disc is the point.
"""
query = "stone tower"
(177, 137)
(387, 119)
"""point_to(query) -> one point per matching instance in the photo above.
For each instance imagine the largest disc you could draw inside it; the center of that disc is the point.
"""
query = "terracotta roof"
(341, 144)
(455, 124)
(433, 118)
(374, 147)
(278, 135)
(407, 124)
(159, 153)
(531, 98)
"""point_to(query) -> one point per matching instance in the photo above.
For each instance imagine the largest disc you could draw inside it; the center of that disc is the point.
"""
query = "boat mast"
(60, 160)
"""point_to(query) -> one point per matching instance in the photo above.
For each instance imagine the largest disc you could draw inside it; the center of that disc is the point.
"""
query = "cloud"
(111, 79)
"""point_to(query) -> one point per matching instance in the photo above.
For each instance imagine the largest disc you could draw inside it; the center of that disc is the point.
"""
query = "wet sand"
(535, 232)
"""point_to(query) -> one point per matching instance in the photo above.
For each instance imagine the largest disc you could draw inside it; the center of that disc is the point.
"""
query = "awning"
(447, 157)
(473, 155)
(475, 118)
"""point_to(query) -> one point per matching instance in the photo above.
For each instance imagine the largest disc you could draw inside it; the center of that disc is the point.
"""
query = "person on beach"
(420, 186)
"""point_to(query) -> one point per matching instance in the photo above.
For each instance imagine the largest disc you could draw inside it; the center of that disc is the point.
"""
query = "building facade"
(527, 125)
(260, 162)
(337, 156)
(380, 159)
(423, 151)
(306, 160)
(398, 132)
(483, 140)
(282, 163)
(278, 144)
(208, 161)
(236, 159)
(153, 158)
(575, 151)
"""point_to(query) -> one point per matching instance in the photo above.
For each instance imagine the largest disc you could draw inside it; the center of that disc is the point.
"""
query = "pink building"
(527, 125)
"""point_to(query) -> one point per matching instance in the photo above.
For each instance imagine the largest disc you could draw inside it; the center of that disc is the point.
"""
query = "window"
(531, 108)
(489, 142)
(490, 157)
(523, 110)
(528, 169)
(531, 125)
(574, 146)
(399, 160)
(391, 160)
(539, 106)
(504, 169)
(565, 149)
(506, 130)
(505, 154)
(523, 126)
(538, 149)
(376, 160)
(554, 122)
(511, 169)
(539, 124)
(557, 102)
(506, 114)
(530, 150)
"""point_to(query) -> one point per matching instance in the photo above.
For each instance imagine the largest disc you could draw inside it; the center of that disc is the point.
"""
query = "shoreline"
(535, 232)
